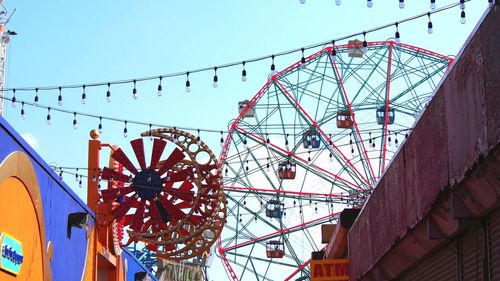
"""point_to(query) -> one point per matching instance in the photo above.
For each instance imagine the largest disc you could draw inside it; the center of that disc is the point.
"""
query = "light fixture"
(48, 116)
(433, 4)
(334, 52)
(99, 127)
(244, 73)
(365, 44)
(302, 60)
(36, 97)
(462, 17)
(401, 4)
(75, 124)
(125, 131)
(397, 36)
(273, 67)
(13, 98)
(338, 2)
(216, 79)
(84, 96)
(198, 138)
(134, 91)
(221, 139)
(159, 87)
(22, 111)
(462, 4)
(59, 98)
(108, 93)
(150, 131)
(429, 24)
(188, 84)
(302, 1)
(369, 3)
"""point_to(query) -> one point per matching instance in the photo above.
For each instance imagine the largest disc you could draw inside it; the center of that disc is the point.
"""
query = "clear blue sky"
(78, 42)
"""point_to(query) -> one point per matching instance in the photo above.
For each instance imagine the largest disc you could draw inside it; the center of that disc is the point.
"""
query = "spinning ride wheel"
(176, 205)
(314, 140)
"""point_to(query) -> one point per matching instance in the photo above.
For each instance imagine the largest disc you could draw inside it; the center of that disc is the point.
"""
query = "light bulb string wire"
(126, 122)
(232, 64)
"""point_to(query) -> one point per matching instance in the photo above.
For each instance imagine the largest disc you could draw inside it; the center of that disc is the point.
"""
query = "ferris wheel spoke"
(312, 123)
(303, 162)
(355, 129)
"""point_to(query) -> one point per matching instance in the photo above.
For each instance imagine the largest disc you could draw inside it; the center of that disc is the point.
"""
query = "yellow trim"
(19, 165)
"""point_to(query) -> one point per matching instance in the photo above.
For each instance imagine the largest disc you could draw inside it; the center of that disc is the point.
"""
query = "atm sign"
(329, 270)
(11, 254)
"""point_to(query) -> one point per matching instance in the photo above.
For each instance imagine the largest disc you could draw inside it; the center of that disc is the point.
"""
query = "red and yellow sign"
(329, 270)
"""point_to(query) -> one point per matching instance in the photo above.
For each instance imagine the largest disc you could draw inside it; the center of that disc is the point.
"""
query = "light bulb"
(108, 98)
(433, 4)
(36, 100)
(462, 4)
(84, 96)
(188, 86)
(23, 116)
(13, 102)
(83, 100)
(215, 84)
(134, 93)
(429, 28)
(369, 3)
(159, 93)
(338, 2)
(59, 102)
(48, 120)
(398, 39)
(125, 134)
(302, 1)
(75, 124)
(401, 4)
(462, 17)
(243, 75)
(334, 55)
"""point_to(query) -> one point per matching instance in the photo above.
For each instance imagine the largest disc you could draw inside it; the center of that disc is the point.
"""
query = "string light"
(188, 84)
(198, 139)
(36, 97)
(302, 60)
(401, 4)
(397, 36)
(22, 111)
(244, 73)
(108, 93)
(334, 52)
(14, 98)
(99, 127)
(462, 4)
(338, 2)
(273, 67)
(369, 3)
(125, 131)
(365, 44)
(48, 116)
(429, 24)
(84, 96)
(302, 1)
(216, 79)
(59, 98)
(75, 125)
(159, 87)
(221, 139)
(134, 91)
(150, 131)
(433, 5)
(462, 17)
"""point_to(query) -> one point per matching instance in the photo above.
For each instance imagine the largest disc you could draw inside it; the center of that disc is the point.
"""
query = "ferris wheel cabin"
(381, 115)
(344, 119)
(287, 170)
(275, 209)
(241, 107)
(311, 139)
(275, 249)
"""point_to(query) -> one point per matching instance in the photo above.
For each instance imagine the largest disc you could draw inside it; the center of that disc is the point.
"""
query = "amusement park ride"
(315, 139)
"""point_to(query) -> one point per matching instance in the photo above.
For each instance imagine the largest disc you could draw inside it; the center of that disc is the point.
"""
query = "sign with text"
(11, 254)
(329, 270)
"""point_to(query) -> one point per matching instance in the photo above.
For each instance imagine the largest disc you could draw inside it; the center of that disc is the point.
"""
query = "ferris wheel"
(314, 140)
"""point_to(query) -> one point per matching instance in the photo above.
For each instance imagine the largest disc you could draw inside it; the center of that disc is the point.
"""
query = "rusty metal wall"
(441, 266)
(458, 129)
(494, 245)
